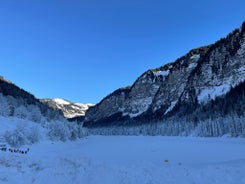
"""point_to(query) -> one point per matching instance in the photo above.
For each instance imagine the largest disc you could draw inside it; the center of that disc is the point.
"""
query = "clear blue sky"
(82, 50)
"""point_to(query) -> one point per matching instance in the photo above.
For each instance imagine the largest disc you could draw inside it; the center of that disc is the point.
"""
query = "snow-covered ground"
(128, 160)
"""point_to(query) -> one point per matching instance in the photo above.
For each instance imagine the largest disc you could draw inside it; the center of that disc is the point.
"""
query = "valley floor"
(128, 160)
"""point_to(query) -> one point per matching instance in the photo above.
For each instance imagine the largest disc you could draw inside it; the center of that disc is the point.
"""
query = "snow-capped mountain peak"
(69, 109)
(61, 101)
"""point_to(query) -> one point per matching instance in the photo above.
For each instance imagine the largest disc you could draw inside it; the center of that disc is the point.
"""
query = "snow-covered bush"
(6, 105)
(21, 112)
(15, 138)
(34, 113)
(22, 135)
(64, 130)
(74, 131)
(83, 132)
(33, 136)
(59, 130)
(29, 112)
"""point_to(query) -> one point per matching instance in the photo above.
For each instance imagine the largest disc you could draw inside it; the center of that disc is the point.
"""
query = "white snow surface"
(171, 107)
(128, 160)
(84, 105)
(192, 65)
(195, 57)
(163, 73)
(123, 159)
(207, 94)
(61, 101)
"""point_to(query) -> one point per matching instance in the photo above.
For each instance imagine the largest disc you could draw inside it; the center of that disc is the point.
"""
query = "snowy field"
(128, 160)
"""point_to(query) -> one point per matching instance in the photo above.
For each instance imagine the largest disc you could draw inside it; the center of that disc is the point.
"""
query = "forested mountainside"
(197, 87)
(15, 101)
(25, 120)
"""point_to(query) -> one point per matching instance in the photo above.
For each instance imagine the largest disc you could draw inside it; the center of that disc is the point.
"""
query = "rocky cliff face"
(222, 67)
(196, 78)
(127, 102)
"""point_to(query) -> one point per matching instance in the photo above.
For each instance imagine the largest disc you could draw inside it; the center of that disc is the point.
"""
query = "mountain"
(181, 89)
(69, 109)
(24, 119)
(17, 102)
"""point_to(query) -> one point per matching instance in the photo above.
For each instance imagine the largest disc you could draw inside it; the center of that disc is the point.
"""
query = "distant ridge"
(69, 109)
